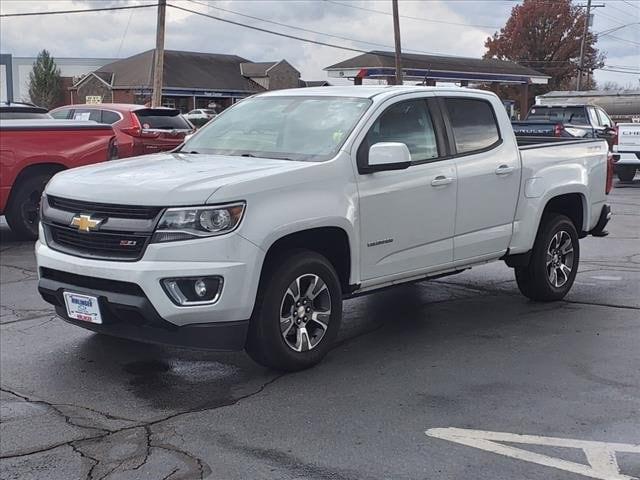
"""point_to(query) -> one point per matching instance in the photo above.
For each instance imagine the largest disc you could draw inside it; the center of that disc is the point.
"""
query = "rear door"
(488, 168)
(406, 216)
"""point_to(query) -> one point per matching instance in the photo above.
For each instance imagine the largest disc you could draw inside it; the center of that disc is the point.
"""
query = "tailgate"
(534, 129)
(629, 137)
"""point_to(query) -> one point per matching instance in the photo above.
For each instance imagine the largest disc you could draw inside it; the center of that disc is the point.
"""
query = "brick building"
(191, 80)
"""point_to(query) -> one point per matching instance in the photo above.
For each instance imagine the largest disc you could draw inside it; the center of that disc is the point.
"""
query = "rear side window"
(61, 114)
(87, 114)
(473, 123)
(161, 119)
(109, 117)
(409, 123)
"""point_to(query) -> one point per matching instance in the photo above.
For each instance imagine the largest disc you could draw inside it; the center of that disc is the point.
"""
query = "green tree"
(545, 36)
(45, 83)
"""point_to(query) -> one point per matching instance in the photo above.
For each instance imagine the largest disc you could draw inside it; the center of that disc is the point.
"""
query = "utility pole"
(396, 35)
(582, 42)
(158, 67)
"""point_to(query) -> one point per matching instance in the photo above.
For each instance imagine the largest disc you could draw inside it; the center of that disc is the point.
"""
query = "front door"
(406, 216)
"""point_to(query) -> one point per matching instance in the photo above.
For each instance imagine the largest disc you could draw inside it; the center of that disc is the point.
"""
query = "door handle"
(441, 180)
(504, 170)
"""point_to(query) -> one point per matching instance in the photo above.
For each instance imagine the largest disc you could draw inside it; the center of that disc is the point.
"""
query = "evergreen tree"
(45, 83)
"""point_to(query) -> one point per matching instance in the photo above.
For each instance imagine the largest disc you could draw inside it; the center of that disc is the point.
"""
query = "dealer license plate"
(82, 307)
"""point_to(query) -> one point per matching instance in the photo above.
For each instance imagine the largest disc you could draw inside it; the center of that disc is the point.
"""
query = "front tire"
(23, 211)
(554, 261)
(298, 312)
(626, 174)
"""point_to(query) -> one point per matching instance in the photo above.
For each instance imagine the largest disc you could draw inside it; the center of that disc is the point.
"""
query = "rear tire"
(626, 174)
(298, 312)
(23, 211)
(554, 261)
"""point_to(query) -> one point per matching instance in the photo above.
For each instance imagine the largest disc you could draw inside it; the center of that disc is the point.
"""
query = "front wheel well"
(570, 205)
(330, 242)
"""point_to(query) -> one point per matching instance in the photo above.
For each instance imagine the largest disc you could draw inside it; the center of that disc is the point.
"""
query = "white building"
(14, 74)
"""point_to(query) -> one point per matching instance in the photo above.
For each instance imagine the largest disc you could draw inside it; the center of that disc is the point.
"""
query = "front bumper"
(131, 314)
(135, 305)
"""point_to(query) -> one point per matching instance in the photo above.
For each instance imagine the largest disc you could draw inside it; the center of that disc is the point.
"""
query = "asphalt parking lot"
(485, 373)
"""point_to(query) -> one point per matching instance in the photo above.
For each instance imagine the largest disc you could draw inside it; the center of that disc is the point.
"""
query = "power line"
(64, 12)
(630, 4)
(124, 35)
(301, 28)
(622, 40)
(422, 19)
(614, 29)
(611, 18)
(264, 30)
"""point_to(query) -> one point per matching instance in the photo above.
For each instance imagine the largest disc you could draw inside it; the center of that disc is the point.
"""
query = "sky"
(464, 26)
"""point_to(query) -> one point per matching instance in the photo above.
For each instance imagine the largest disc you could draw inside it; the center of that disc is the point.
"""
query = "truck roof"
(367, 91)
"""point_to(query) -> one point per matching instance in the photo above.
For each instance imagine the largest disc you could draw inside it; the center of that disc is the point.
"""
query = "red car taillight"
(609, 184)
(557, 131)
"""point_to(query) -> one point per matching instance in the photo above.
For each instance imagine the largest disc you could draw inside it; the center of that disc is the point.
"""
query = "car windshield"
(568, 115)
(293, 128)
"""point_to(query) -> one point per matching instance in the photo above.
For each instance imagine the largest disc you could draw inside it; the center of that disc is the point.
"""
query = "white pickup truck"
(253, 232)
(626, 151)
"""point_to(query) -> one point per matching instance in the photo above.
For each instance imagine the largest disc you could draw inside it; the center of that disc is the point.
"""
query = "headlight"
(197, 222)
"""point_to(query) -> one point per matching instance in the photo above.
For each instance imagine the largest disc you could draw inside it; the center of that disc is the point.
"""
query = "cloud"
(103, 34)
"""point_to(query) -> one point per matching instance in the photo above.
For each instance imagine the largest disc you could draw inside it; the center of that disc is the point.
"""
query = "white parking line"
(606, 278)
(601, 456)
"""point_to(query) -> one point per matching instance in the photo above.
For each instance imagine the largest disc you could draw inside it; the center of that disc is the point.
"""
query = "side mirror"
(388, 156)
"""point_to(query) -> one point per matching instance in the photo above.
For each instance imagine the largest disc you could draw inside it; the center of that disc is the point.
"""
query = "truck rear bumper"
(127, 312)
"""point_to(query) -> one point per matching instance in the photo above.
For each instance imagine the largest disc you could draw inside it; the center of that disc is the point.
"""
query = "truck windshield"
(567, 115)
(291, 128)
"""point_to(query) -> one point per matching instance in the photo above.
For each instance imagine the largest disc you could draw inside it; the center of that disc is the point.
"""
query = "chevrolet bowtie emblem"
(85, 223)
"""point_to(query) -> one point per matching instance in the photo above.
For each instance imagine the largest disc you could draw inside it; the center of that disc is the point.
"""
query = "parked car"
(19, 110)
(256, 229)
(626, 153)
(32, 151)
(139, 129)
(201, 116)
(570, 121)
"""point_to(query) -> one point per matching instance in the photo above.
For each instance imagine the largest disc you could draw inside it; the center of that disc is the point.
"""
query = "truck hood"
(164, 179)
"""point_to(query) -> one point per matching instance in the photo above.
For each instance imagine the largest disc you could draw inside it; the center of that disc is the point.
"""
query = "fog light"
(201, 288)
(188, 291)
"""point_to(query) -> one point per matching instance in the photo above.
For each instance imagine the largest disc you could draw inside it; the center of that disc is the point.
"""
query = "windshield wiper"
(247, 155)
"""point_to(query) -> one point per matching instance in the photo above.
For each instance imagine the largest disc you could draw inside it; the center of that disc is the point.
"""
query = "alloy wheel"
(559, 259)
(305, 312)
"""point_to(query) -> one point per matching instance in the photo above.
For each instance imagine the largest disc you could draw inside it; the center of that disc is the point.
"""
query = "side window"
(109, 117)
(593, 117)
(87, 114)
(409, 123)
(473, 123)
(605, 121)
(61, 114)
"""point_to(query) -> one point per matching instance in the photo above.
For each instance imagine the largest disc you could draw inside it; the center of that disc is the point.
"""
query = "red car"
(34, 150)
(139, 129)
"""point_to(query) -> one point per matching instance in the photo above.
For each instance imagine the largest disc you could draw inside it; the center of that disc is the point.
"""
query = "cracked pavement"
(465, 351)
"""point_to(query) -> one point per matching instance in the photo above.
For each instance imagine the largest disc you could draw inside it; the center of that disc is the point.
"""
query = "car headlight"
(197, 222)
